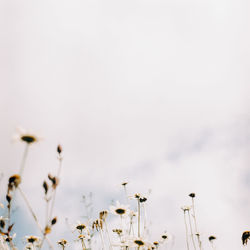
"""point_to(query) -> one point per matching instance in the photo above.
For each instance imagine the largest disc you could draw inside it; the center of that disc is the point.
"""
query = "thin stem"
(25, 154)
(54, 195)
(195, 224)
(102, 239)
(191, 230)
(126, 193)
(139, 217)
(83, 244)
(33, 215)
(186, 227)
(106, 226)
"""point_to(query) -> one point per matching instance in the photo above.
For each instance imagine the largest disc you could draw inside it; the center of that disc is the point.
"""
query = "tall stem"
(25, 154)
(54, 195)
(195, 224)
(33, 215)
(186, 227)
(139, 217)
(191, 230)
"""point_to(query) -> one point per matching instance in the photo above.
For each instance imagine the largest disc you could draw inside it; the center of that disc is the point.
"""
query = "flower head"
(26, 136)
(119, 209)
(192, 195)
(245, 237)
(32, 239)
(211, 238)
(186, 208)
(62, 242)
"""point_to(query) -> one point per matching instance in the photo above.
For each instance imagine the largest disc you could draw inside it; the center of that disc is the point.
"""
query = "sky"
(153, 92)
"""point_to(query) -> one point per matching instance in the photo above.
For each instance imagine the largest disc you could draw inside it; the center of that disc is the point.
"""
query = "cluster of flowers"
(122, 226)
(128, 231)
(6, 223)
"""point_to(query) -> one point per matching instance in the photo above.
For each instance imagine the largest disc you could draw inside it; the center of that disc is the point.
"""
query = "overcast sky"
(153, 91)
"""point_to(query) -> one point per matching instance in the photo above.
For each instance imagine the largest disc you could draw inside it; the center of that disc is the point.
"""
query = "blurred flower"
(192, 195)
(33, 239)
(26, 136)
(119, 209)
(186, 208)
(62, 242)
(245, 237)
(211, 238)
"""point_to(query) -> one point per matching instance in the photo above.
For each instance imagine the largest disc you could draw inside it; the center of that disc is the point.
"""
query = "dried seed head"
(54, 220)
(211, 238)
(118, 231)
(47, 230)
(46, 187)
(28, 138)
(124, 183)
(62, 242)
(139, 242)
(164, 236)
(80, 227)
(245, 237)
(81, 236)
(31, 239)
(54, 180)
(103, 215)
(59, 149)
(14, 180)
(2, 223)
(192, 195)
(137, 196)
(10, 228)
(8, 198)
(143, 199)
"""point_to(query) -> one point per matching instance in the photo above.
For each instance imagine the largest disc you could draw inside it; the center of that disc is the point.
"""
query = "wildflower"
(211, 238)
(142, 199)
(46, 187)
(245, 237)
(47, 230)
(14, 181)
(119, 209)
(118, 231)
(139, 242)
(2, 222)
(59, 149)
(53, 221)
(25, 136)
(80, 227)
(124, 183)
(192, 195)
(3, 244)
(62, 242)
(164, 236)
(32, 239)
(103, 215)
(186, 208)
(97, 224)
(54, 180)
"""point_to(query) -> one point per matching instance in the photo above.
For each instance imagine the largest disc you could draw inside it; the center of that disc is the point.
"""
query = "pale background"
(153, 91)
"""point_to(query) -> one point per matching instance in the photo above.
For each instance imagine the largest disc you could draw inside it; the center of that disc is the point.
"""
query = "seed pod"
(54, 220)
(59, 149)
(46, 187)
(192, 195)
(8, 198)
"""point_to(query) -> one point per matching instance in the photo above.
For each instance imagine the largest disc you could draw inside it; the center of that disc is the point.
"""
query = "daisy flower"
(119, 209)
(26, 136)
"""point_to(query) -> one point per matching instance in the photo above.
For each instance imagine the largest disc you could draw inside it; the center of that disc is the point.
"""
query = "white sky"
(153, 91)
